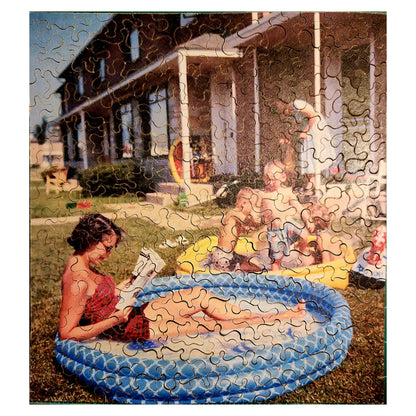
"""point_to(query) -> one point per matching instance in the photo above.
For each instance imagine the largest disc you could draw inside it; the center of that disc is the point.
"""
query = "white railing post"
(82, 141)
(184, 106)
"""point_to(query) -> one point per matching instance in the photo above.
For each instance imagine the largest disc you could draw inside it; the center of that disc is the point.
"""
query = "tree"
(40, 131)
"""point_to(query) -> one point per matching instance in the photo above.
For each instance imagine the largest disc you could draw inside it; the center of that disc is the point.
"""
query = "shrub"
(127, 177)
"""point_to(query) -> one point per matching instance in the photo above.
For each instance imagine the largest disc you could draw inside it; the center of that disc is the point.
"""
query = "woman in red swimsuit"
(89, 298)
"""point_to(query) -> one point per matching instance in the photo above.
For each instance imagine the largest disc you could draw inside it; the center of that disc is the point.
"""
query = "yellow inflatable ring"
(334, 274)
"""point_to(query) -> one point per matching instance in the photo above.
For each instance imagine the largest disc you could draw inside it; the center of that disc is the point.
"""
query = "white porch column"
(82, 140)
(317, 61)
(317, 75)
(184, 106)
(257, 150)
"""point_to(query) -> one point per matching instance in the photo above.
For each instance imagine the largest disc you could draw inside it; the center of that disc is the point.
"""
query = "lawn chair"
(55, 179)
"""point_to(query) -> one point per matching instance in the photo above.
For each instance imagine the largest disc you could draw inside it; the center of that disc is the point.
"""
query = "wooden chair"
(55, 179)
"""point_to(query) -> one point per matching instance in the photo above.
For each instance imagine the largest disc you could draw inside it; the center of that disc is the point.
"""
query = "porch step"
(167, 193)
(161, 198)
(168, 187)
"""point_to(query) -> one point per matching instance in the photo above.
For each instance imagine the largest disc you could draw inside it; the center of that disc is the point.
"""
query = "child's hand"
(122, 285)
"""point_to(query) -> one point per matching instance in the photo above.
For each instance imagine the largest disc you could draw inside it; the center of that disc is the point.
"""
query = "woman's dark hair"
(91, 230)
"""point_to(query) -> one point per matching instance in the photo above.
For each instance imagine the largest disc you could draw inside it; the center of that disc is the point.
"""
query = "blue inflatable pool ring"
(236, 367)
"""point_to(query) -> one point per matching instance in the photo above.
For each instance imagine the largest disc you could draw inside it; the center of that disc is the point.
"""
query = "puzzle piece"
(248, 151)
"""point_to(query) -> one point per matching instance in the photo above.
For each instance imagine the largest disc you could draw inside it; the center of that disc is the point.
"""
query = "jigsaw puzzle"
(208, 207)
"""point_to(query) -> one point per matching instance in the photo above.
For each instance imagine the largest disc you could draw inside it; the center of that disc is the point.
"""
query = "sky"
(55, 40)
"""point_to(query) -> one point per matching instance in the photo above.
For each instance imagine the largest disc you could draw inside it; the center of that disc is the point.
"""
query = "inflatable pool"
(237, 367)
(199, 171)
(334, 274)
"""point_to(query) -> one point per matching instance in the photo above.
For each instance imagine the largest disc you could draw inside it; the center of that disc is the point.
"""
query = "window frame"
(103, 72)
(155, 142)
(134, 49)
(126, 111)
(80, 85)
(186, 18)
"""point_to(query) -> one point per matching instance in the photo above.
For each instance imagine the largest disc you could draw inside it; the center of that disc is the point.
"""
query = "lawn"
(360, 379)
(59, 204)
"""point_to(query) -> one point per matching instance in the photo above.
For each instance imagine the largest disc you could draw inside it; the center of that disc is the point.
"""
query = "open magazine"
(148, 263)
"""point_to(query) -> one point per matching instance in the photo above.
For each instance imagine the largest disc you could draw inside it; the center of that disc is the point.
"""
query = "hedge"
(127, 177)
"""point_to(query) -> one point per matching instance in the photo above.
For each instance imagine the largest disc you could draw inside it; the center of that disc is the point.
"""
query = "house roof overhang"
(203, 50)
(274, 24)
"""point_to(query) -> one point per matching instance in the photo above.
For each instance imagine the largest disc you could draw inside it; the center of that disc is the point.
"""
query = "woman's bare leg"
(196, 325)
(187, 302)
(173, 315)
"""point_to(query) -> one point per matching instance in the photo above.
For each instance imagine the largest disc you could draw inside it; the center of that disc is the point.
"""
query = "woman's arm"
(72, 308)
(122, 286)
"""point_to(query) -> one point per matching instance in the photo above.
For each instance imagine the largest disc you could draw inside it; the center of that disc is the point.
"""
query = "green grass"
(54, 204)
(49, 252)
(360, 379)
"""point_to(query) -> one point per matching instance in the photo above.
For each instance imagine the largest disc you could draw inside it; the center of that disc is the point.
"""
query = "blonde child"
(242, 219)
(329, 246)
(283, 215)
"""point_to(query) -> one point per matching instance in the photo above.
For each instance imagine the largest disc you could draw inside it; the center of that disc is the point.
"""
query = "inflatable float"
(236, 367)
(199, 171)
(334, 274)
(370, 270)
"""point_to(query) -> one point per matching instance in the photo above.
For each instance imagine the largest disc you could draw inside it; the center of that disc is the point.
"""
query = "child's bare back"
(279, 207)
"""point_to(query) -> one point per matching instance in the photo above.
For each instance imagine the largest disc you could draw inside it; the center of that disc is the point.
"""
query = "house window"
(159, 122)
(134, 45)
(126, 130)
(102, 69)
(355, 67)
(81, 85)
(73, 142)
(187, 18)
(70, 143)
